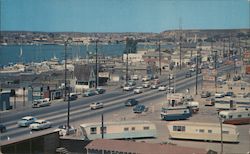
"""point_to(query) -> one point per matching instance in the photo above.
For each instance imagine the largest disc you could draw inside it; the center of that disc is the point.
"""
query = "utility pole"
(196, 79)
(180, 51)
(96, 67)
(180, 27)
(66, 94)
(127, 66)
(221, 135)
(102, 129)
(159, 46)
(223, 48)
(23, 96)
(215, 64)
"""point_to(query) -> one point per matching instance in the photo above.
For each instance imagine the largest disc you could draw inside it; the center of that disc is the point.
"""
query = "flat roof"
(140, 147)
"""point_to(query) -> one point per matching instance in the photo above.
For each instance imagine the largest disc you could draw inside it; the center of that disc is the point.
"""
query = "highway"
(112, 100)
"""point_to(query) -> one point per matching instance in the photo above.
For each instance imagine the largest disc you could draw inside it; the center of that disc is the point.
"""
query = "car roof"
(27, 117)
(40, 120)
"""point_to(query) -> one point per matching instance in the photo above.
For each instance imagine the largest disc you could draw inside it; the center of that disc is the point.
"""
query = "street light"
(96, 67)
(159, 47)
(221, 133)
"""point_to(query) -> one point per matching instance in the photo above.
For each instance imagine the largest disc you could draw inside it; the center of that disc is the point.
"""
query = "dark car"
(205, 94)
(139, 108)
(236, 78)
(2, 128)
(188, 74)
(131, 102)
(100, 90)
(229, 93)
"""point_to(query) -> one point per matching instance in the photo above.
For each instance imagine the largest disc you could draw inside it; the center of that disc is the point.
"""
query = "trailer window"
(126, 129)
(239, 116)
(145, 128)
(201, 130)
(133, 128)
(179, 128)
(231, 116)
(225, 132)
(93, 130)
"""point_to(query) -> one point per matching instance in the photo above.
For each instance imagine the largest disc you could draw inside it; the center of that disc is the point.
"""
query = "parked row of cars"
(138, 108)
(92, 92)
(34, 123)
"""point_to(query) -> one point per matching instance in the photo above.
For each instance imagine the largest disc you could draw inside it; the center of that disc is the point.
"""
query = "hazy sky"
(123, 15)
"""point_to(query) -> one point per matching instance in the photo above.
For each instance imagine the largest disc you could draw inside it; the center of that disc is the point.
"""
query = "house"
(85, 76)
(100, 146)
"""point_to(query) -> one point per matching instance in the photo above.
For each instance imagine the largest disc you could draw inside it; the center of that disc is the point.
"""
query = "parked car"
(210, 102)
(205, 94)
(188, 74)
(89, 92)
(171, 76)
(170, 89)
(41, 103)
(135, 77)
(145, 84)
(96, 105)
(2, 128)
(230, 94)
(26, 121)
(146, 78)
(162, 88)
(100, 91)
(131, 102)
(219, 94)
(139, 108)
(236, 78)
(62, 129)
(40, 124)
(138, 90)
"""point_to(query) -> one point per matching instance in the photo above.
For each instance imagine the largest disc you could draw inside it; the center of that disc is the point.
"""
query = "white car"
(40, 124)
(96, 105)
(26, 121)
(138, 90)
(171, 76)
(170, 89)
(135, 77)
(145, 78)
(154, 86)
(62, 129)
(146, 84)
(219, 95)
(128, 88)
(162, 88)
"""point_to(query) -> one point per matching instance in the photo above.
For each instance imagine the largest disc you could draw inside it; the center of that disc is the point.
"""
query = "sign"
(209, 72)
(208, 78)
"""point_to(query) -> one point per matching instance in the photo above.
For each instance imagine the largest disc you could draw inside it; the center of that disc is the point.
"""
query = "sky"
(122, 15)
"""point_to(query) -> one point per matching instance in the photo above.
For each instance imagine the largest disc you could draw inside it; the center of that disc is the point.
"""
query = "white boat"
(236, 117)
(203, 131)
(119, 130)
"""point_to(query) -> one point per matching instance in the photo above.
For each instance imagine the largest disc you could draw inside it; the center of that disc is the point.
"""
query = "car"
(131, 102)
(236, 78)
(230, 94)
(40, 124)
(41, 103)
(171, 76)
(219, 94)
(138, 90)
(100, 91)
(162, 88)
(62, 129)
(170, 89)
(205, 94)
(146, 78)
(89, 92)
(210, 102)
(26, 121)
(140, 108)
(154, 86)
(192, 69)
(128, 88)
(188, 74)
(131, 82)
(96, 105)
(145, 84)
(155, 81)
(2, 128)
(135, 77)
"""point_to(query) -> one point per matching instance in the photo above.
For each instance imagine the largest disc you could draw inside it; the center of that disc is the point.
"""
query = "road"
(113, 100)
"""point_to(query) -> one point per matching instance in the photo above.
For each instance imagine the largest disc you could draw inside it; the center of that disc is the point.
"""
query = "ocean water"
(12, 54)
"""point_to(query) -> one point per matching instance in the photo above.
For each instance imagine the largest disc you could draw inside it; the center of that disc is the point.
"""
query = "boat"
(236, 117)
(176, 113)
(203, 131)
(119, 130)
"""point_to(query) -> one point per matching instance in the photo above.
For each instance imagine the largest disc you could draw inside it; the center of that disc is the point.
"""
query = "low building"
(101, 146)
(5, 100)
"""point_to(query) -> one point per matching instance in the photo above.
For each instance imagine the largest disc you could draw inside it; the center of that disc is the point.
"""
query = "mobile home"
(236, 117)
(203, 131)
(119, 130)
(176, 113)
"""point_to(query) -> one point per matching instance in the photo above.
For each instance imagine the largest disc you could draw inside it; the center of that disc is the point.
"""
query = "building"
(5, 100)
(105, 146)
